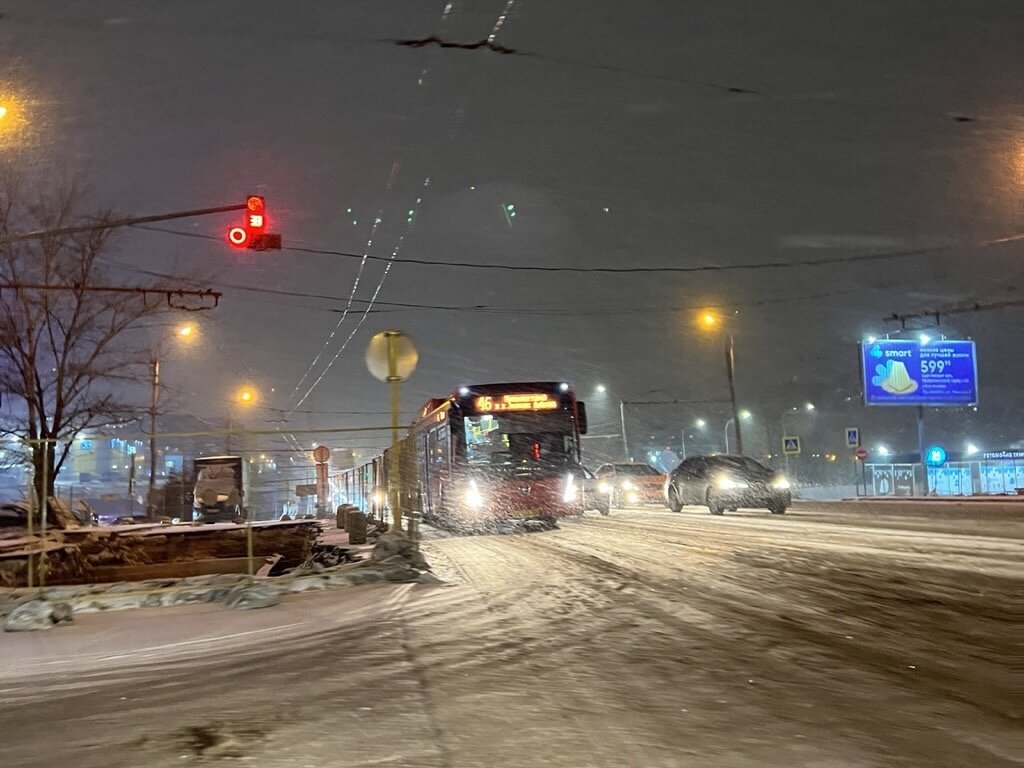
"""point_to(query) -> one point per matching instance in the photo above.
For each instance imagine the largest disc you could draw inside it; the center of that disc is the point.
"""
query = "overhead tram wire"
(348, 305)
(387, 269)
(856, 258)
(509, 309)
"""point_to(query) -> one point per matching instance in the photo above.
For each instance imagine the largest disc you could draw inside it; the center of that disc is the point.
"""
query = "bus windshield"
(513, 438)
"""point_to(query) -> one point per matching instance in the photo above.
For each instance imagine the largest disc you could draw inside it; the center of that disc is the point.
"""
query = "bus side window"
(443, 451)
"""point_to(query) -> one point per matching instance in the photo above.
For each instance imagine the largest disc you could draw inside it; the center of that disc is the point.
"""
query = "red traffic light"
(252, 234)
(256, 215)
(238, 237)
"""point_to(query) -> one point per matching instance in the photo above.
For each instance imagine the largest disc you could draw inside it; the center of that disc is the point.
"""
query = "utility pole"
(154, 399)
(622, 419)
(730, 366)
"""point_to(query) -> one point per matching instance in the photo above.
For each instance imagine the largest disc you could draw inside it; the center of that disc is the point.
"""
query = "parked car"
(722, 482)
(625, 483)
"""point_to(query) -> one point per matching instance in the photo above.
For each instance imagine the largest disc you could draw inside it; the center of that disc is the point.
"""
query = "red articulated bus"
(487, 456)
(494, 453)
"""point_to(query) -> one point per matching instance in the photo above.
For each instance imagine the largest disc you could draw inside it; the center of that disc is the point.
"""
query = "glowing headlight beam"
(473, 496)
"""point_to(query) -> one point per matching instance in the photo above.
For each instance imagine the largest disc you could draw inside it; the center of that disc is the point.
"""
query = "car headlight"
(569, 494)
(628, 485)
(473, 496)
(728, 484)
(780, 483)
(604, 487)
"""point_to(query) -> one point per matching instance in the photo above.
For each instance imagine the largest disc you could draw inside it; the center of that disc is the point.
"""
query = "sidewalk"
(102, 642)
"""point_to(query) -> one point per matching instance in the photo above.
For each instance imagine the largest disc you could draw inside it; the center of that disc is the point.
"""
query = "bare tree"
(68, 354)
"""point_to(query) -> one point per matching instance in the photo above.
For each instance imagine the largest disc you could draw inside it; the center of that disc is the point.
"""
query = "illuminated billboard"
(936, 372)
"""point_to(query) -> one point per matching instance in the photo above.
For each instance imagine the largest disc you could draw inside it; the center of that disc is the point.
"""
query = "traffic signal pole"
(115, 223)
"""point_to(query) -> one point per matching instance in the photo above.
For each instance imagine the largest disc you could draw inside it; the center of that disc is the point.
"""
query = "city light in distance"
(601, 389)
(700, 423)
(971, 449)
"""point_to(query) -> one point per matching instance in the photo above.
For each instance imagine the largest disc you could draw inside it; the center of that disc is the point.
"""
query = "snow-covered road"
(640, 639)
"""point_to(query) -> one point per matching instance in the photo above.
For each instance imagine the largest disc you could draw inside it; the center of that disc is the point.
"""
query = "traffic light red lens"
(238, 237)
(254, 203)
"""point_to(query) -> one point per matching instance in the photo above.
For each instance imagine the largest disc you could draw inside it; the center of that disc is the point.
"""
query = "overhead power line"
(170, 294)
(956, 309)
(509, 309)
(856, 258)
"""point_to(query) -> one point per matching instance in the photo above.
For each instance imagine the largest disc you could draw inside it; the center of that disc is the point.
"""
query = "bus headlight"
(628, 485)
(569, 494)
(472, 495)
(604, 487)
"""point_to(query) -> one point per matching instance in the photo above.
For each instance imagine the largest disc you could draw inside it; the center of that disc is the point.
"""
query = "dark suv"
(722, 482)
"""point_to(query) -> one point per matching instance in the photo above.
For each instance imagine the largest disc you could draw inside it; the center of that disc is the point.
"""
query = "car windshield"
(741, 464)
(639, 470)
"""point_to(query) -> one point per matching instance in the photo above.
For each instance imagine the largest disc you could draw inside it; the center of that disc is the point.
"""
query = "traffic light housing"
(252, 234)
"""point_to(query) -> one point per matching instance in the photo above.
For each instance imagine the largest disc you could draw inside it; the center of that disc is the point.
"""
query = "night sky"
(623, 134)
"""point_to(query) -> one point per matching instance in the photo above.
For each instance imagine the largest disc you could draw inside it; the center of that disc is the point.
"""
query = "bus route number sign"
(525, 402)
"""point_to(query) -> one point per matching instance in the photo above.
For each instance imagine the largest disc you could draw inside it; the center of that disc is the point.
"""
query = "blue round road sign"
(935, 456)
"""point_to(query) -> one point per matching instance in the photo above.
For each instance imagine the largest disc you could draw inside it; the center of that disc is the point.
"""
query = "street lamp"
(745, 415)
(185, 332)
(709, 321)
(971, 449)
(245, 396)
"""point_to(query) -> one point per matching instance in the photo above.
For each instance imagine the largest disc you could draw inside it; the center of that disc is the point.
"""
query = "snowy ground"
(641, 639)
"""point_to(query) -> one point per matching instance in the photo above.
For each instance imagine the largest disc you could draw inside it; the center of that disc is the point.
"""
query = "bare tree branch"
(70, 358)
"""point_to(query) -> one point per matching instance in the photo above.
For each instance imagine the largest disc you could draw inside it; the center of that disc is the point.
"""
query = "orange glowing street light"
(186, 332)
(709, 320)
(246, 395)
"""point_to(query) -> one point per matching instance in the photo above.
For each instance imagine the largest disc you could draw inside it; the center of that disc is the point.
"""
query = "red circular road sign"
(861, 454)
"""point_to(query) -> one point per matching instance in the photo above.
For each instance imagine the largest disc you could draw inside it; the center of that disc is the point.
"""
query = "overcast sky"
(649, 133)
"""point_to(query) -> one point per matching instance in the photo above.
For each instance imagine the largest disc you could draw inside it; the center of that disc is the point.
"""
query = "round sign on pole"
(321, 454)
(379, 356)
(861, 454)
(935, 456)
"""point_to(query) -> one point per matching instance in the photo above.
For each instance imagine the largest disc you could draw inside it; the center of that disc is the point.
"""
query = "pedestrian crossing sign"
(791, 445)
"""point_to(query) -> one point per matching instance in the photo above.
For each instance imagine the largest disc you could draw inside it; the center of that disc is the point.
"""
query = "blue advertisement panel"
(905, 372)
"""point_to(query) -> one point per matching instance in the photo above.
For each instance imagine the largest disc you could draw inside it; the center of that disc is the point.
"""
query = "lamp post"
(245, 396)
(184, 333)
(709, 321)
